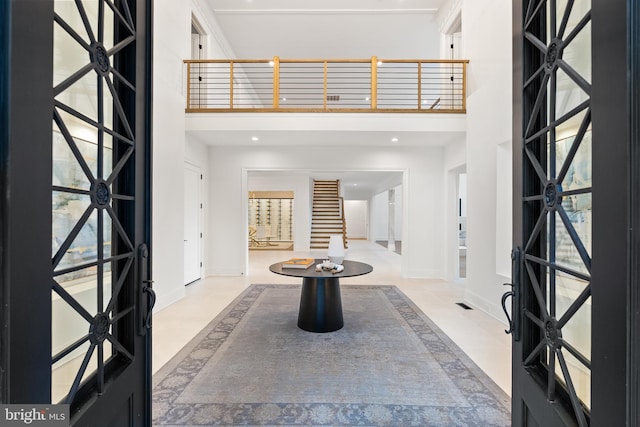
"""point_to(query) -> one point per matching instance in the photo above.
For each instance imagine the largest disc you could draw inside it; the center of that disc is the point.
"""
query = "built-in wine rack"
(272, 218)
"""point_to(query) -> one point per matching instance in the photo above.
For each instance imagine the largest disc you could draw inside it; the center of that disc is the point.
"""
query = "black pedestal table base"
(320, 305)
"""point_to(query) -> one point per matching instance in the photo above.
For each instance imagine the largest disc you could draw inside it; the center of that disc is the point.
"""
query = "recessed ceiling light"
(283, 99)
(379, 63)
(394, 139)
(271, 63)
(254, 138)
(367, 99)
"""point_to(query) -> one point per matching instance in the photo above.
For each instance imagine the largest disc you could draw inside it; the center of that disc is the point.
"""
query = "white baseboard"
(165, 300)
(492, 308)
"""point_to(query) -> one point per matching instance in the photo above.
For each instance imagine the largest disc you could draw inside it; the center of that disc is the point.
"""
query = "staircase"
(327, 214)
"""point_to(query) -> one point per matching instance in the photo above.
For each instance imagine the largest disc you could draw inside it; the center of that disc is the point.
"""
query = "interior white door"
(192, 208)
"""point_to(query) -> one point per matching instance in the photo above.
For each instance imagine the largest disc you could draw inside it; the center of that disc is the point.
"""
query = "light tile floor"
(479, 335)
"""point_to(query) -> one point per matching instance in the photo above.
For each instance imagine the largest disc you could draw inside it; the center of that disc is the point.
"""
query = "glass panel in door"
(92, 250)
(557, 251)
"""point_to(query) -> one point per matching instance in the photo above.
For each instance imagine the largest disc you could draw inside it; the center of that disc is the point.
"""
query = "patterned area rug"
(388, 366)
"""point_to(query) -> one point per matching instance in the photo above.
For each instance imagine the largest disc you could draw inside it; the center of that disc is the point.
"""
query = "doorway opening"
(198, 51)
(386, 218)
(271, 220)
(462, 225)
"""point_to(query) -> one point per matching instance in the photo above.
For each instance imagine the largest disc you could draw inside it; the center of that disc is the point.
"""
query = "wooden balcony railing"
(326, 85)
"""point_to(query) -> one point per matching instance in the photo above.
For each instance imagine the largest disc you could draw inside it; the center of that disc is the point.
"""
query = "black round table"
(320, 302)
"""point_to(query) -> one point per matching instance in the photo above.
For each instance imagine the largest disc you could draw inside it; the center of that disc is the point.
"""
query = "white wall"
(355, 193)
(229, 167)
(504, 208)
(356, 216)
(486, 28)
(172, 29)
(172, 44)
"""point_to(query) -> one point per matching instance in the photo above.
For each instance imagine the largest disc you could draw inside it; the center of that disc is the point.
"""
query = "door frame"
(633, 374)
(26, 100)
(610, 269)
(5, 82)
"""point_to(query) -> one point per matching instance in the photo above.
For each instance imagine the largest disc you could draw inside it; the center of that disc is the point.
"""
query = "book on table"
(298, 263)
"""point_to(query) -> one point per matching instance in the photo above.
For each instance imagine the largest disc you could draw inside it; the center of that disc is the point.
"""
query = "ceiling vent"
(333, 98)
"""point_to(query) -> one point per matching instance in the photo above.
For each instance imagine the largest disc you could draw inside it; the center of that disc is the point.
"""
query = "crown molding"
(427, 11)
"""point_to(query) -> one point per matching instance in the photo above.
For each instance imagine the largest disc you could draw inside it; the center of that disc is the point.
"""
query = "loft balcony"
(326, 85)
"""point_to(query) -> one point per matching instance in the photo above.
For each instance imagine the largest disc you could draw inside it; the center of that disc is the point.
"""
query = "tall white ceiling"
(293, 29)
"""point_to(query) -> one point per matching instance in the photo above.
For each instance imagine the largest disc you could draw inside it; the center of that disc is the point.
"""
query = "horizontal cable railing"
(326, 85)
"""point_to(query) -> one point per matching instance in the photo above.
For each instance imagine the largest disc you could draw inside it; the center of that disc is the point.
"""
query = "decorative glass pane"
(66, 170)
(565, 132)
(577, 54)
(561, 172)
(84, 247)
(577, 331)
(68, 12)
(578, 12)
(83, 162)
(64, 371)
(68, 209)
(81, 285)
(107, 106)
(107, 155)
(567, 251)
(107, 237)
(68, 55)
(107, 276)
(568, 94)
(91, 10)
(84, 136)
(580, 378)
(81, 96)
(579, 173)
